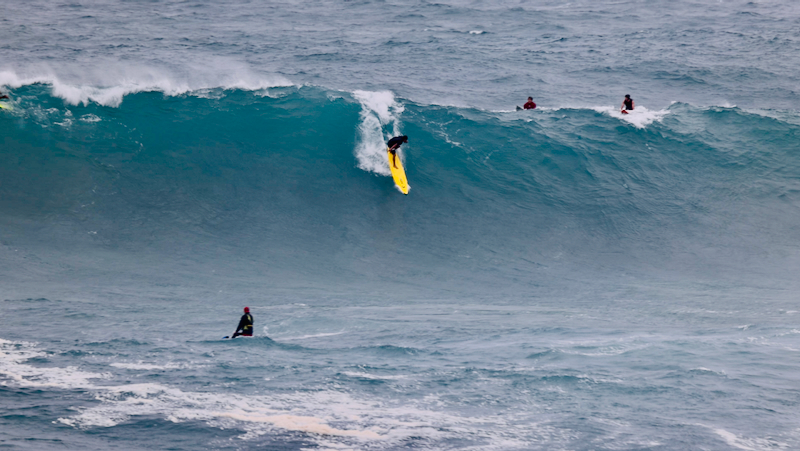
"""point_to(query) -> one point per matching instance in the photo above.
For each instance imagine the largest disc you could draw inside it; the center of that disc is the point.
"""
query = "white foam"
(302, 424)
(640, 117)
(702, 369)
(260, 413)
(12, 366)
(601, 351)
(149, 366)
(119, 403)
(749, 444)
(303, 337)
(372, 376)
(378, 111)
(791, 332)
(331, 419)
(110, 86)
(731, 439)
(90, 118)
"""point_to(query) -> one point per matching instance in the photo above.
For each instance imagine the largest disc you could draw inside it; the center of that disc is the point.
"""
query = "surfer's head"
(627, 96)
(247, 309)
(405, 138)
(530, 99)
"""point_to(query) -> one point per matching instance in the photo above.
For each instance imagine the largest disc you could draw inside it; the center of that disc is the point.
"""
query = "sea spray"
(380, 121)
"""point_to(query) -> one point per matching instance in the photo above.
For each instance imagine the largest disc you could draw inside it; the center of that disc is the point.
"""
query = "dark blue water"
(563, 278)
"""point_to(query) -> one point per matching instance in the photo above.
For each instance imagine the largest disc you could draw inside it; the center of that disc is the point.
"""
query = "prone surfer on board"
(245, 327)
(3, 96)
(395, 144)
(627, 104)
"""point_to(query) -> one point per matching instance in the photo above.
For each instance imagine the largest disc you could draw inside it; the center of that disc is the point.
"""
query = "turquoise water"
(563, 278)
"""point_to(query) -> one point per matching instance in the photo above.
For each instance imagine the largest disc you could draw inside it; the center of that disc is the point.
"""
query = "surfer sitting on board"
(245, 327)
(627, 104)
(529, 105)
(395, 144)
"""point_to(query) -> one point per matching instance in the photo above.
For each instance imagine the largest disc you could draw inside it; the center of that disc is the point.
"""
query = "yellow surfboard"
(398, 174)
(6, 106)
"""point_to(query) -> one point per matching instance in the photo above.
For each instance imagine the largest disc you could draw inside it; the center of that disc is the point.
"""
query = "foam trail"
(121, 402)
(378, 110)
(149, 366)
(301, 424)
(330, 418)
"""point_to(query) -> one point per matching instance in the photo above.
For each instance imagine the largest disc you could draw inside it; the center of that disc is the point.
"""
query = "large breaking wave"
(289, 186)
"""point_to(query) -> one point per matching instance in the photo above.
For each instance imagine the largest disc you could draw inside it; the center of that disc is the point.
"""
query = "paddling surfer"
(395, 144)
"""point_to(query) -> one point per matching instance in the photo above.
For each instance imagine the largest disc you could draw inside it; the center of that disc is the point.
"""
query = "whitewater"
(566, 278)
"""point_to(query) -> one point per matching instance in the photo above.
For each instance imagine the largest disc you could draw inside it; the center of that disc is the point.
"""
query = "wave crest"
(111, 87)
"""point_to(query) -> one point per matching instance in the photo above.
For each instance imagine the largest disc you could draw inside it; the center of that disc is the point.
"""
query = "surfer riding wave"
(395, 144)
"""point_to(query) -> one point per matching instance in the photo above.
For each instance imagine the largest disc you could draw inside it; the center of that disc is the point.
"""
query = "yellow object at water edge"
(6, 106)
(398, 174)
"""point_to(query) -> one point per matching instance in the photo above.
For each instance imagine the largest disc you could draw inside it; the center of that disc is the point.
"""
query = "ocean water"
(568, 278)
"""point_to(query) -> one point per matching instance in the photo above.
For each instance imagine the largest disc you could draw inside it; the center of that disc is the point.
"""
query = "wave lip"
(111, 89)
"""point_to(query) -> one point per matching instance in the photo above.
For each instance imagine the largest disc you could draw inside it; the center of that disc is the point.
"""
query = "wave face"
(564, 278)
(289, 186)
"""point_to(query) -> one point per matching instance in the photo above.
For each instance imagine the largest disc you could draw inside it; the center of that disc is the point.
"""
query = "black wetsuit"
(245, 326)
(396, 140)
(628, 103)
(395, 144)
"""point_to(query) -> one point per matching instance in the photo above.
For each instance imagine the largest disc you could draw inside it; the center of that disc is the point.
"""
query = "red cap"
(247, 309)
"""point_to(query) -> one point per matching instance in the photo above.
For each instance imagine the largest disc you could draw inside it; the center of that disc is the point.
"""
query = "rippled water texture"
(564, 278)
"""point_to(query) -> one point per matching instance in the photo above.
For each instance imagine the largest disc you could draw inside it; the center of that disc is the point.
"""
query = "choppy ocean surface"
(567, 278)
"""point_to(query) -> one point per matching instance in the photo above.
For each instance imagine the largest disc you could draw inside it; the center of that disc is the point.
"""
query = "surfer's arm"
(240, 327)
